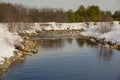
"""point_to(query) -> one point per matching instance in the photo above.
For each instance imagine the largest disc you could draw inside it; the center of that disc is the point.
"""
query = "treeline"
(92, 13)
(19, 13)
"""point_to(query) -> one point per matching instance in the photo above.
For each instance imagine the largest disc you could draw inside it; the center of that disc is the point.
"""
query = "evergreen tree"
(79, 18)
(71, 16)
(80, 14)
(116, 15)
(94, 13)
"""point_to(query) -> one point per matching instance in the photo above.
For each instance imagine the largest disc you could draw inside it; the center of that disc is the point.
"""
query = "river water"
(68, 59)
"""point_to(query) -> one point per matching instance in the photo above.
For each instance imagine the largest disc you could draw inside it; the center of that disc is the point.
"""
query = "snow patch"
(112, 36)
(7, 42)
(54, 26)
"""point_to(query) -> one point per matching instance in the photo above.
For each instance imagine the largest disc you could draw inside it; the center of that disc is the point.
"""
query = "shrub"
(104, 27)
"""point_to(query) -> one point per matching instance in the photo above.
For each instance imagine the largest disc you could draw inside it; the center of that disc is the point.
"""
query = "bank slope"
(7, 42)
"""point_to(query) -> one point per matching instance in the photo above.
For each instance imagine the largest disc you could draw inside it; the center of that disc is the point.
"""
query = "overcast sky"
(111, 5)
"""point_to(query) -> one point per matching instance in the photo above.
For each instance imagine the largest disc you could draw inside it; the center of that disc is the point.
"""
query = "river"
(68, 59)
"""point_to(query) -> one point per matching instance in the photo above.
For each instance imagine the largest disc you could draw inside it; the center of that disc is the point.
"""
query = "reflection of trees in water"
(82, 42)
(49, 43)
(105, 53)
(69, 40)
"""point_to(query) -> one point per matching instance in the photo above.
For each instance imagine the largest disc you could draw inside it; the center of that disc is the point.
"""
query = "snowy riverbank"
(110, 34)
(12, 50)
(7, 42)
(13, 47)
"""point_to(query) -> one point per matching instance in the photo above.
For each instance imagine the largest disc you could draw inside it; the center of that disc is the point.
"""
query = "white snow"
(7, 42)
(91, 31)
(113, 35)
(54, 26)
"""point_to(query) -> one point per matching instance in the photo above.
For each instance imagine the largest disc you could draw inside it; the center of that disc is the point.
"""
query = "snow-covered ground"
(113, 35)
(7, 42)
(54, 26)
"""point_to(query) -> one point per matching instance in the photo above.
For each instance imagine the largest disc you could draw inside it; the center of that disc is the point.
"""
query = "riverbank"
(15, 38)
(101, 32)
(107, 34)
(18, 53)
(16, 46)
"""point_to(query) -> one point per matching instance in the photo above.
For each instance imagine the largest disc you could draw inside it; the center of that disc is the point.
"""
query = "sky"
(111, 5)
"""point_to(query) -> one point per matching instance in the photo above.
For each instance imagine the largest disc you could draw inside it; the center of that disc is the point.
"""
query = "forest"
(18, 13)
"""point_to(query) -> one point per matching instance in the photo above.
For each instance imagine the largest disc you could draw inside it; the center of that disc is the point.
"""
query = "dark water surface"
(68, 59)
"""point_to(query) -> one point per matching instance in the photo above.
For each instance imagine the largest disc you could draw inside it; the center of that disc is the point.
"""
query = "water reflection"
(105, 53)
(69, 40)
(79, 62)
(51, 43)
(82, 43)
